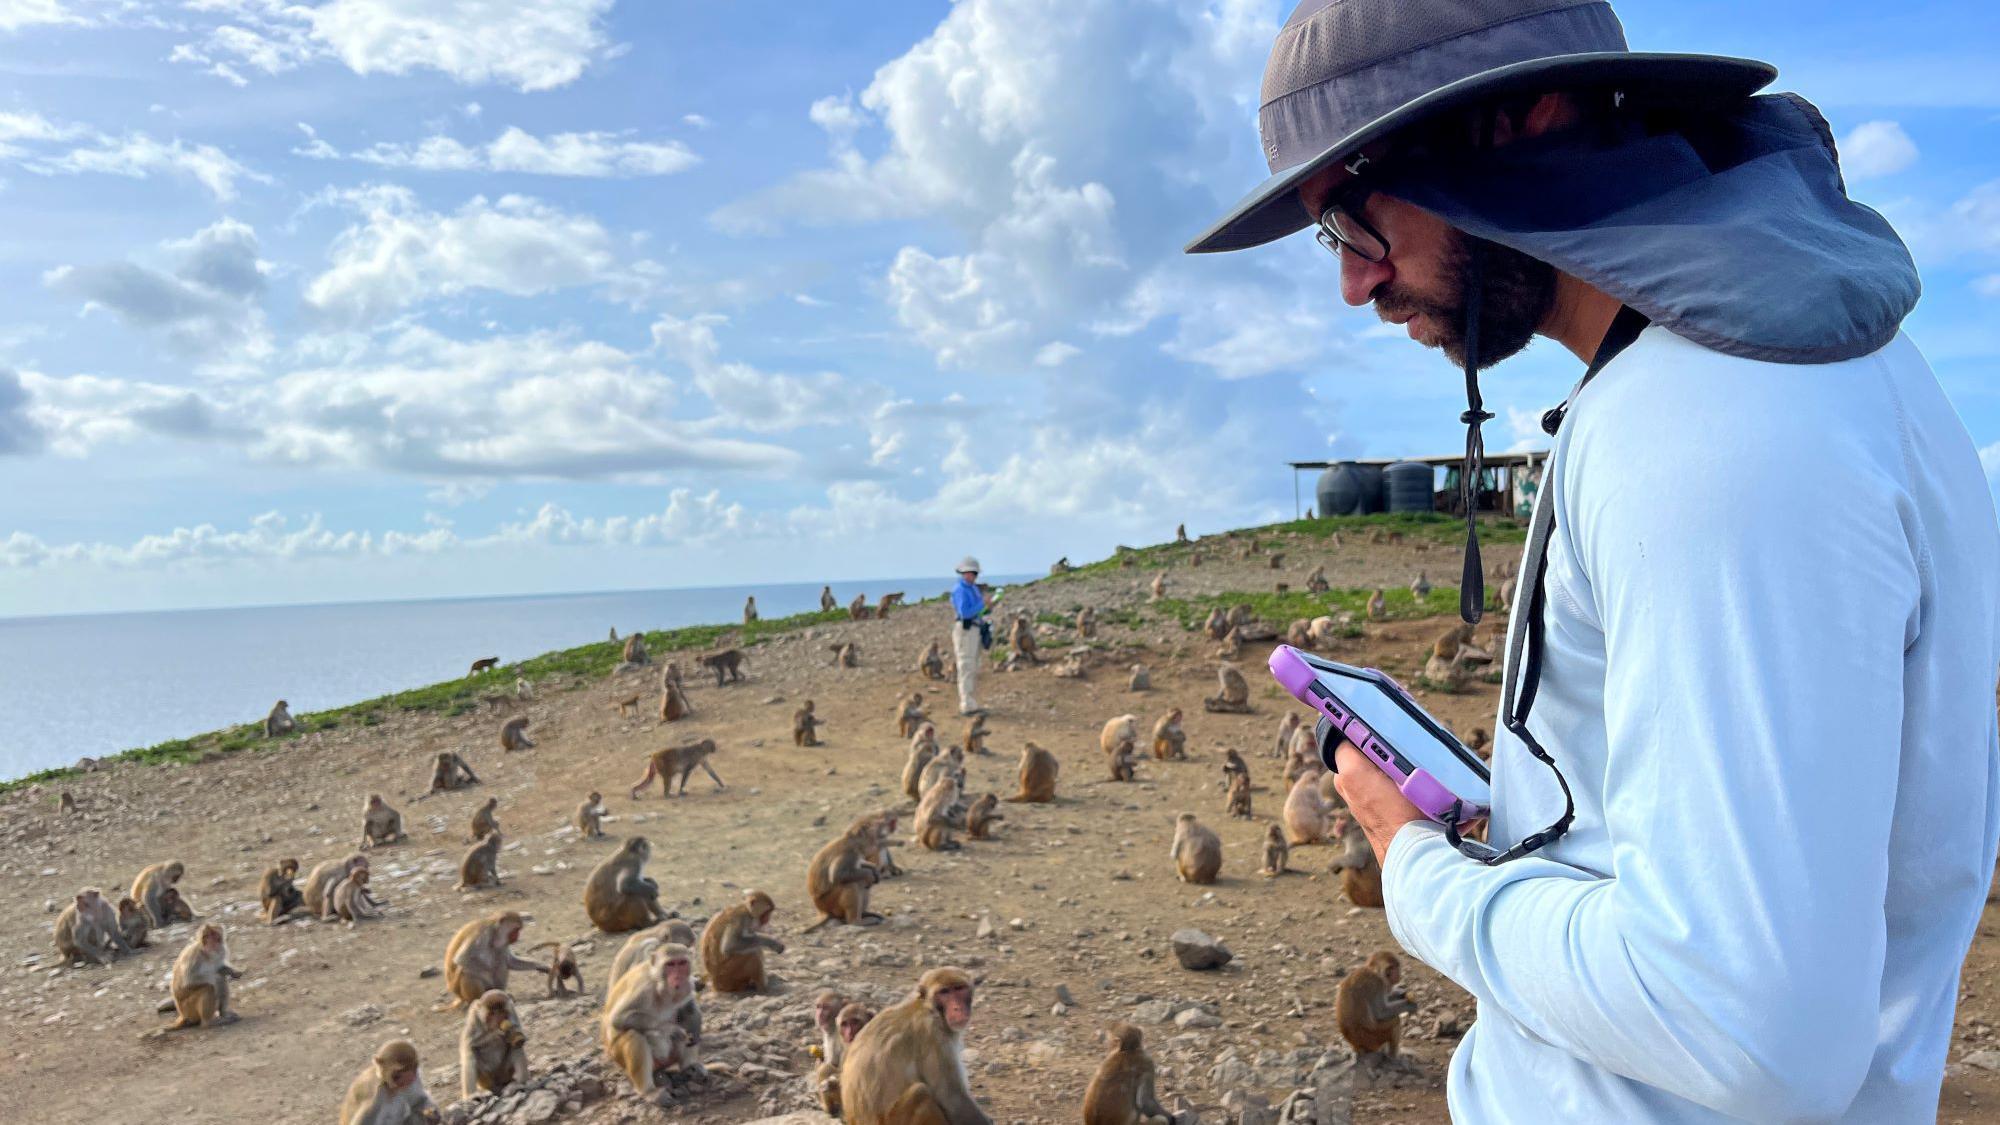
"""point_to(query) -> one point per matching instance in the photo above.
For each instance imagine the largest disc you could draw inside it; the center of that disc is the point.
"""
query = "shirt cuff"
(1415, 836)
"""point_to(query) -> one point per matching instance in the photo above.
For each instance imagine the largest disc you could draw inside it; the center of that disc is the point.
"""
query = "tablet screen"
(1387, 715)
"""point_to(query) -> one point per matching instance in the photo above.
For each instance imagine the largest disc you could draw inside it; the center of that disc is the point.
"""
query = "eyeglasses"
(1342, 227)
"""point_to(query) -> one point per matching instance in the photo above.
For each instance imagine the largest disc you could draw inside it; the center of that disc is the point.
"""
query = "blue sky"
(399, 298)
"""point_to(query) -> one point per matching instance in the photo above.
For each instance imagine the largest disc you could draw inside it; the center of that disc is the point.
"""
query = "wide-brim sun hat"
(1344, 74)
(968, 565)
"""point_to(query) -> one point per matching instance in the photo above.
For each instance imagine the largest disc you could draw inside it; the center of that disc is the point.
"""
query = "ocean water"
(93, 685)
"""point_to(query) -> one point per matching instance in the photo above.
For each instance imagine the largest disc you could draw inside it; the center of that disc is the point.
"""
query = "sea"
(91, 685)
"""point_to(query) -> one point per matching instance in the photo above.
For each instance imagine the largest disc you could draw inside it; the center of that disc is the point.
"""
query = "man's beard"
(1516, 292)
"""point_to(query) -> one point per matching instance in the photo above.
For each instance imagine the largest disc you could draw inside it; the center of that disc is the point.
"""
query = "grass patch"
(1282, 609)
(1434, 527)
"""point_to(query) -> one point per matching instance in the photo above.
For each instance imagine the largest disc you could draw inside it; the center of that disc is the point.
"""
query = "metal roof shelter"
(1507, 464)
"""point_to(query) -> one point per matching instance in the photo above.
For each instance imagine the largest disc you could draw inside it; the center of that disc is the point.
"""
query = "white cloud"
(208, 305)
(756, 400)
(48, 148)
(399, 254)
(529, 46)
(1235, 329)
(1988, 286)
(514, 150)
(19, 433)
(697, 120)
(1055, 353)
(269, 536)
(1876, 148)
(17, 14)
(687, 519)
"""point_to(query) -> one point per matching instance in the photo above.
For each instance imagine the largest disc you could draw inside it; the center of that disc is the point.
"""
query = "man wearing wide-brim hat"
(1747, 800)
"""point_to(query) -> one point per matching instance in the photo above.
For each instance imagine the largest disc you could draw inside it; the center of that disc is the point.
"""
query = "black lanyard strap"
(1525, 643)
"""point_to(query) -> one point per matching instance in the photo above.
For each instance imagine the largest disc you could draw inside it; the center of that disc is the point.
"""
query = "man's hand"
(1377, 805)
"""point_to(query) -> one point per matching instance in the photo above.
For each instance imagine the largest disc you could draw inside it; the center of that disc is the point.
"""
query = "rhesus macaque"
(1378, 605)
(1196, 851)
(727, 665)
(513, 735)
(674, 704)
(174, 907)
(750, 610)
(1180, 533)
(279, 721)
(635, 650)
(931, 663)
(1141, 680)
(671, 674)
(201, 981)
(1118, 734)
(846, 654)
(132, 923)
(923, 747)
(1159, 588)
(380, 824)
(1277, 561)
(1169, 740)
(151, 886)
(590, 816)
(1232, 765)
(1420, 587)
(1235, 697)
(1302, 756)
(934, 821)
(734, 943)
(826, 1014)
(1299, 633)
(907, 1064)
(1309, 809)
(351, 901)
(663, 764)
(318, 894)
(642, 1027)
(1277, 853)
(884, 825)
(1021, 638)
(826, 602)
(839, 878)
(979, 819)
(1288, 725)
(67, 805)
(1123, 1093)
(804, 724)
(1038, 776)
(562, 968)
(1086, 622)
(1232, 644)
(1216, 625)
(449, 771)
(614, 634)
(1323, 631)
(641, 944)
(975, 735)
(87, 929)
(826, 1077)
(888, 602)
(857, 610)
(1370, 1006)
(389, 1090)
(910, 714)
(523, 690)
(627, 706)
(951, 762)
(1123, 762)
(481, 866)
(1481, 742)
(1316, 582)
(1360, 874)
(492, 1048)
(482, 664)
(1239, 795)
(618, 895)
(484, 822)
(478, 958)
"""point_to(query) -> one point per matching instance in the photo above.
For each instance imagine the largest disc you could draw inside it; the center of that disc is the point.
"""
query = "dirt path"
(1079, 894)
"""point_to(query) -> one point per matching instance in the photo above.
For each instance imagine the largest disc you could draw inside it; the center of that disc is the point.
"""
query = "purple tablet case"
(1290, 669)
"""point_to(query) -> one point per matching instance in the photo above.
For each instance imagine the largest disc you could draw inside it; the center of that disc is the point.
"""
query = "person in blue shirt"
(968, 606)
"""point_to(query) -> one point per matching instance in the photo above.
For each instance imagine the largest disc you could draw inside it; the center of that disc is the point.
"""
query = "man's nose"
(1360, 278)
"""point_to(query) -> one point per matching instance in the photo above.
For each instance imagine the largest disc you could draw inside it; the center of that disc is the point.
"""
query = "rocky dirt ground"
(1075, 899)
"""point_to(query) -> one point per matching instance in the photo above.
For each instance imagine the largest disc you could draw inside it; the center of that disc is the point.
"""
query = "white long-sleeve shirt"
(1773, 635)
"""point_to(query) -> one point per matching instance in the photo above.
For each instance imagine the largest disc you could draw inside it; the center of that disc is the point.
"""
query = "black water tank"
(1372, 499)
(1340, 491)
(1409, 485)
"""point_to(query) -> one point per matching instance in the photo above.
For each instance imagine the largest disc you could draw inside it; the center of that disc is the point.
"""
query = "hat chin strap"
(1472, 584)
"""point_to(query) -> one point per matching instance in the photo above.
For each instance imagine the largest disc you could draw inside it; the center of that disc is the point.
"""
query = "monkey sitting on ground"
(492, 1048)
(804, 724)
(1038, 776)
(1310, 809)
(482, 664)
(318, 892)
(727, 665)
(907, 1065)
(934, 820)
(1196, 851)
(380, 824)
(931, 663)
(951, 762)
(1086, 622)
(174, 908)
(734, 943)
(847, 1024)
(277, 893)
(151, 887)
(827, 604)
(484, 823)
(975, 735)
(619, 896)
(562, 968)
(923, 748)
(663, 764)
(1118, 739)
(1232, 765)
(877, 851)
(910, 714)
(1021, 638)
(839, 877)
(642, 1026)
(1216, 625)
(1378, 606)
(750, 610)
(132, 923)
(389, 1091)
(1316, 582)
(674, 705)
(979, 819)
(201, 979)
(1123, 1092)
(513, 735)
(481, 866)
(279, 721)
(888, 602)
(1370, 1006)
(478, 958)
(1288, 725)
(1235, 696)
(640, 945)
(1169, 740)
(826, 1016)
(1277, 853)
(351, 901)
(846, 654)
(1239, 795)
(67, 805)
(87, 929)
(449, 772)
(590, 816)
(857, 610)
(635, 650)
(1360, 873)
(627, 706)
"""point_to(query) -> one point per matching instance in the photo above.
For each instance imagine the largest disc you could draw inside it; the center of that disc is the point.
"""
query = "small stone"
(1153, 1011)
(1987, 1059)
(1063, 996)
(1195, 1017)
(1197, 951)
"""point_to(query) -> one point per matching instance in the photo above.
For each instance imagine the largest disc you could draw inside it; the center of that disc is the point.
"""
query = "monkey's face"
(954, 1003)
(675, 972)
(824, 1010)
(401, 1077)
(851, 1022)
(595, 797)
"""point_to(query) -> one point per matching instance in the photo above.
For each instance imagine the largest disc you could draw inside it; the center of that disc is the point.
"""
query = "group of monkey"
(900, 1066)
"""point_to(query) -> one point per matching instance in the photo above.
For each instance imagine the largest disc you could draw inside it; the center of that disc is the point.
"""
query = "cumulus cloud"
(17, 14)
(686, 519)
(51, 148)
(595, 154)
(207, 304)
(399, 254)
(1876, 148)
(18, 432)
(529, 46)
(749, 398)
(1235, 329)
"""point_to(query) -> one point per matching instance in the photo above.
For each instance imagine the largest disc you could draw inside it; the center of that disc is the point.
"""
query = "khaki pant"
(965, 644)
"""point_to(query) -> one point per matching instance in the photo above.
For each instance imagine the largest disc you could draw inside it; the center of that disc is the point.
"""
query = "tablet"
(1367, 708)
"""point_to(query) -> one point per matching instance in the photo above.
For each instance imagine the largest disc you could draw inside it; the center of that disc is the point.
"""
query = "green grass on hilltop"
(1434, 527)
(1281, 610)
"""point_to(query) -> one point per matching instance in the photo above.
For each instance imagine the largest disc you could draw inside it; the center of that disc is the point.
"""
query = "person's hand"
(1373, 800)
